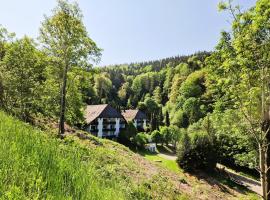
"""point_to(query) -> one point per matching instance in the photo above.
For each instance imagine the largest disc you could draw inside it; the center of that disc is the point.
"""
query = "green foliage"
(153, 111)
(157, 95)
(141, 139)
(124, 93)
(103, 85)
(33, 81)
(22, 76)
(157, 137)
(194, 85)
(65, 37)
(167, 134)
(180, 119)
(197, 149)
(65, 40)
(233, 145)
(239, 78)
(222, 6)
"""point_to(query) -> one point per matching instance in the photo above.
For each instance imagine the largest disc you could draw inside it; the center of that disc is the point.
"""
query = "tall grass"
(34, 165)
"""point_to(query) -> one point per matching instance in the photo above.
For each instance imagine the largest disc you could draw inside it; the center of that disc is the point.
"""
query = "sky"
(132, 30)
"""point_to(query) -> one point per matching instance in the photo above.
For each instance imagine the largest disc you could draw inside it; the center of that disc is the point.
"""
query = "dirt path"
(251, 184)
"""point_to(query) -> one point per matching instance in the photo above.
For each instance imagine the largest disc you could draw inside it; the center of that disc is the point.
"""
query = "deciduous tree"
(65, 38)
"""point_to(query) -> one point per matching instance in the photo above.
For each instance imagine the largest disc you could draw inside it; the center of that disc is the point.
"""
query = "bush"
(167, 134)
(141, 139)
(196, 152)
(156, 137)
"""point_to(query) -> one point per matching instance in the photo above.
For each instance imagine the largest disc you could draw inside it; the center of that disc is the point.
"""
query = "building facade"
(104, 121)
(138, 118)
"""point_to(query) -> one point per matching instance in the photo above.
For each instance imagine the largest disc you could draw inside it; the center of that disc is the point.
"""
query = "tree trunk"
(267, 153)
(263, 170)
(167, 119)
(63, 104)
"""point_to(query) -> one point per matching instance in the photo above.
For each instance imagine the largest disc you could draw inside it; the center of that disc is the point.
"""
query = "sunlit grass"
(36, 166)
(154, 157)
(169, 164)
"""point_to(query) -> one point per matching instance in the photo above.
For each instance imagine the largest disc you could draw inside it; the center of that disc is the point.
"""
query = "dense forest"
(213, 106)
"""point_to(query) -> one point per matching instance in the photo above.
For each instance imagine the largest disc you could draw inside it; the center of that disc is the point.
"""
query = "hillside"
(35, 165)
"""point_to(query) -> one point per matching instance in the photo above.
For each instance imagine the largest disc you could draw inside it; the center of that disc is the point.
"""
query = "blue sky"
(132, 30)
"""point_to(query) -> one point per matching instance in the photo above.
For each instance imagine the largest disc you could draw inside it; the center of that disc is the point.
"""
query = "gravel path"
(251, 184)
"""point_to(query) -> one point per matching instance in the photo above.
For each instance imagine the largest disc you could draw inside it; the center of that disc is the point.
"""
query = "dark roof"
(129, 115)
(100, 111)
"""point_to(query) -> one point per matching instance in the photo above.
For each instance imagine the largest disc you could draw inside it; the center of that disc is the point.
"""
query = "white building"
(104, 121)
(138, 118)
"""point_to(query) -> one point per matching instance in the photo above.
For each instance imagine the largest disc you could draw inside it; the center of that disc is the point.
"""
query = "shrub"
(156, 137)
(141, 139)
(196, 152)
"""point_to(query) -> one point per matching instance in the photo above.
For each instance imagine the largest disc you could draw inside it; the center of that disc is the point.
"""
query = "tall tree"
(242, 66)
(157, 95)
(65, 38)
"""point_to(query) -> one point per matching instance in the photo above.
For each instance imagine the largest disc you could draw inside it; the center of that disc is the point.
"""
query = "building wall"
(106, 127)
(140, 124)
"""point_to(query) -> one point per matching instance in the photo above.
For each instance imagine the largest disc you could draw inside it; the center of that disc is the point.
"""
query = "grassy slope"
(34, 165)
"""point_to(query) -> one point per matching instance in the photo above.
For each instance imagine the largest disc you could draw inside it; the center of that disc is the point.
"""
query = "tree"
(233, 145)
(103, 85)
(22, 75)
(175, 135)
(197, 149)
(124, 93)
(192, 109)
(184, 152)
(167, 118)
(242, 63)
(167, 134)
(180, 119)
(157, 95)
(5, 38)
(153, 110)
(64, 37)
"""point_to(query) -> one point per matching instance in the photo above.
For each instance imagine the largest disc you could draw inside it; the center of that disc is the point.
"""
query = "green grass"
(168, 164)
(37, 166)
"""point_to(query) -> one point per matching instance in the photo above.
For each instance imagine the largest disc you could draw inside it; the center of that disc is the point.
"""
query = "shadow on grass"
(166, 149)
(219, 179)
(143, 152)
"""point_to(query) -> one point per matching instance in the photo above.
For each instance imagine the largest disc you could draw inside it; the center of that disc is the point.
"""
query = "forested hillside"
(209, 107)
(182, 94)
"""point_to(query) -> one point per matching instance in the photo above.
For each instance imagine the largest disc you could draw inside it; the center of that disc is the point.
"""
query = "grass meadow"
(38, 166)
